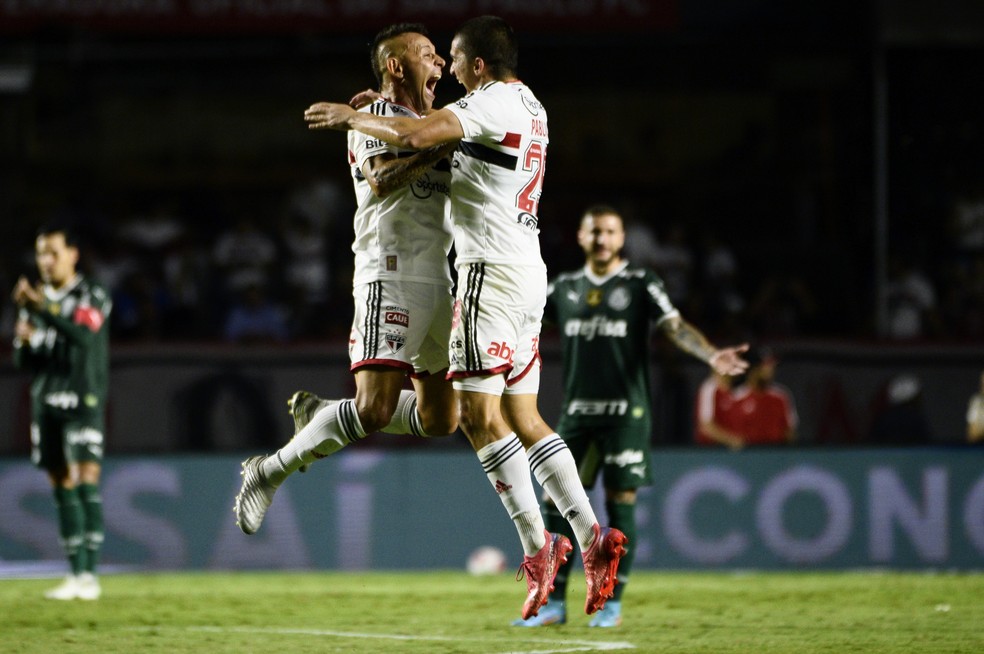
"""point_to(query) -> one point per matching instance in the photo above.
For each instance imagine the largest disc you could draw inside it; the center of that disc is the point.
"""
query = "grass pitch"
(452, 612)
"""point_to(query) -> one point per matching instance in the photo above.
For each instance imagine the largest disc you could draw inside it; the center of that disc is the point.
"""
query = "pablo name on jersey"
(595, 326)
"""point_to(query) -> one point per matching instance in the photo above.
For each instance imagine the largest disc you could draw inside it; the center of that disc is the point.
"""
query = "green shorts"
(620, 453)
(59, 440)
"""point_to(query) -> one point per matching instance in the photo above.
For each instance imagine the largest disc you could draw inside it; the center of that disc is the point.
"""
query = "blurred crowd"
(187, 270)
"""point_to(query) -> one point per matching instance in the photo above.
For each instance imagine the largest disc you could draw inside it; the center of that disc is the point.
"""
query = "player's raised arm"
(438, 128)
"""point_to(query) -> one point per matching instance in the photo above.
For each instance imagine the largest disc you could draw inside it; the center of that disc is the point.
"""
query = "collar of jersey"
(598, 281)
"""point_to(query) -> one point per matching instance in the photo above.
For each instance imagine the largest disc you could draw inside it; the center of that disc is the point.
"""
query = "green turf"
(451, 612)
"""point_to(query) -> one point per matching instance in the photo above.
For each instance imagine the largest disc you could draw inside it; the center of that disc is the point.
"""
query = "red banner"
(335, 16)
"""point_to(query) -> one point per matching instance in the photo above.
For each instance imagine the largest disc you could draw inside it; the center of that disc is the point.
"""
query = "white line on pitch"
(559, 646)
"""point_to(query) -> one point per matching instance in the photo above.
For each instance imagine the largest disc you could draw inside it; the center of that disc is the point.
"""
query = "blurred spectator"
(138, 305)
(782, 307)
(255, 319)
(963, 303)
(901, 421)
(154, 232)
(641, 245)
(186, 280)
(674, 261)
(911, 297)
(975, 415)
(307, 272)
(765, 411)
(715, 421)
(245, 255)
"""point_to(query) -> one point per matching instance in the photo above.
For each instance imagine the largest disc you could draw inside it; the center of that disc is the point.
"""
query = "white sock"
(406, 419)
(508, 469)
(553, 466)
(330, 429)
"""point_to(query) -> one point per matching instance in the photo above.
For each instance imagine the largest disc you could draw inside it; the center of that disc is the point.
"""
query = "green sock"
(70, 521)
(555, 523)
(622, 517)
(93, 533)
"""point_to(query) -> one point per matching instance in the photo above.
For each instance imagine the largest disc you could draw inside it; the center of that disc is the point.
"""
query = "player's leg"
(620, 506)
(49, 452)
(89, 473)
(625, 453)
(552, 464)
(582, 448)
(554, 468)
(504, 460)
(430, 409)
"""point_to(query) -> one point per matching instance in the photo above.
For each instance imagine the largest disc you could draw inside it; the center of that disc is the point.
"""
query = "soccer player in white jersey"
(501, 131)
(402, 286)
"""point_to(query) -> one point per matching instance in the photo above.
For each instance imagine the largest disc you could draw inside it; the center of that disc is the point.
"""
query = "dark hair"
(602, 210)
(60, 227)
(384, 35)
(491, 39)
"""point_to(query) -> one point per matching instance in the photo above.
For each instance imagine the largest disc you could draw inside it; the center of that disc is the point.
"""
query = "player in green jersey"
(62, 338)
(604, 313)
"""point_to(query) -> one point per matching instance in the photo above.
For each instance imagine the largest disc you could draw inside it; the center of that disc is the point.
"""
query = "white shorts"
(495, 329)
(401, 324)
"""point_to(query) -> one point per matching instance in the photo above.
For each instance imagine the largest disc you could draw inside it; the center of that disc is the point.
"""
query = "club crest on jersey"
(594, 297)
(619, 299)
(395, 342)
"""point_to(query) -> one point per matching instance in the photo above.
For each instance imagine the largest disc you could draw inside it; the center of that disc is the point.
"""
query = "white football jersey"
(498, 176)
(407, 234)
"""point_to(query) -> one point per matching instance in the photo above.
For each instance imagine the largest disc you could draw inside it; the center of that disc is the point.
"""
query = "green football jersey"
(69, 351)
(605, 328)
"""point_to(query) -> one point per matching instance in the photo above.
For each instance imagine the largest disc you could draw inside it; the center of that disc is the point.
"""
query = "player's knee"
(439, 423)
(473, 420)
(375, 412)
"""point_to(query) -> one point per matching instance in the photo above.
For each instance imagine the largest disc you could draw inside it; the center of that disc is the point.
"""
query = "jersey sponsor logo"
(527, 220)
(374, 144)
(89, 317)
(572, 295)
(62, 399)
(501, 487)
(619, 299)
(625, 458)
(424, 188)
(616, 407)
(596, 326)
(501, 350)
(397, 318)
(532, 105)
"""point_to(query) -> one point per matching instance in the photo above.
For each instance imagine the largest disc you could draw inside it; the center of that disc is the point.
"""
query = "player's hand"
(728, 361)
(362, 98)
(23, 330)
(328, 115)
(26, 295)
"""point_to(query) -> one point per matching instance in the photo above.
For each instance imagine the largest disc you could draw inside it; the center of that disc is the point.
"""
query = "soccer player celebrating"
(402, 286)
(604, 312)
(500, 129)
(62, 338)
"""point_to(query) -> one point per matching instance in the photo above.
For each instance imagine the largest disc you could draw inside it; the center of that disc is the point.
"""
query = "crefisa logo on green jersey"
(596, 326)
